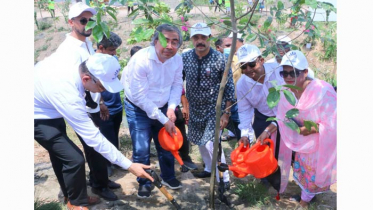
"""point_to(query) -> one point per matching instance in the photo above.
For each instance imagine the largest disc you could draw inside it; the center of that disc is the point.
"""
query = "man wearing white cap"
(255, 80)
(59, 96)
(203, 69)
(75, 49)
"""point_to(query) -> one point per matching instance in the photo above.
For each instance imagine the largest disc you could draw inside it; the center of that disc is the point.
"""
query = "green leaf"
(251, 37)
(140, 21)
(293, 87)
(289, 97)
(309, 124)
(112, 14)
(98, 17)
(148, 33)
(271, 119)
(97, 33)
(271, 89)
(227, 23)
(293, 126)
(165, 21)
(268, 22)
(105, 29)
(273, 98)
(311, 3)
(90, 24)
(162, 39)
(292, 113)
(280, 5)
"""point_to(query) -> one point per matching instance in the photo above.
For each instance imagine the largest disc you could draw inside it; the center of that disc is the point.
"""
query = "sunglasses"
(84, 21)
(292, 74)
(250, 64)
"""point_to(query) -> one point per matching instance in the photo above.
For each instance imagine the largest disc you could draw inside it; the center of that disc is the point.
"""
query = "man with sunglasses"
(203, 70)
(59, 97)
(252, 92)
(75, 49)
(153, 85)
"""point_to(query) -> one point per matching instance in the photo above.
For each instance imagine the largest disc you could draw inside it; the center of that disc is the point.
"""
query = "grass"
(49, 39)
(254, 193)
(44, 25)
(42, 205)
(42, 48)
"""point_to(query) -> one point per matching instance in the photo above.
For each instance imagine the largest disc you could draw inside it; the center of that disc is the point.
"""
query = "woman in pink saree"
(315, 163)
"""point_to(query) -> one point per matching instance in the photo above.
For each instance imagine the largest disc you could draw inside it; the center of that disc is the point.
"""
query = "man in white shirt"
(75, 49)
(252, 92)
(58, 96)
(153, 86)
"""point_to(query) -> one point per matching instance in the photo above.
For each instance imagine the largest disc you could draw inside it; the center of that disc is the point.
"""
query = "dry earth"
(194, 194)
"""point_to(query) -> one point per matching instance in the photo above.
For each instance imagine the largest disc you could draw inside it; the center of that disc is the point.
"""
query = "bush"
(44, 25)
(254, 20)
(252, 192)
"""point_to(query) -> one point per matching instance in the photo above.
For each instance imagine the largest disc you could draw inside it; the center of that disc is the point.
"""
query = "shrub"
(44, 25)
(252, 192)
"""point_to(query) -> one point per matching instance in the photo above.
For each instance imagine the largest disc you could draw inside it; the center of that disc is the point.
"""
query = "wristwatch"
(228, 113)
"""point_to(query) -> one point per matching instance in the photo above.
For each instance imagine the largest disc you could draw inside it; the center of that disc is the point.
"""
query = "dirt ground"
(194, 194)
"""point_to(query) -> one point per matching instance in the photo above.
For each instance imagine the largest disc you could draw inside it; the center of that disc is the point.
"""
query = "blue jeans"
(142, 130)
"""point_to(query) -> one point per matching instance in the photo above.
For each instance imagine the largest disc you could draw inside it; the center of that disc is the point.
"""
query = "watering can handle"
(271, 145)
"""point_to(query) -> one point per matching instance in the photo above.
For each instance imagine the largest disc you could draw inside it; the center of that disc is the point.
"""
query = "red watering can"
(257, 160)
(171, 144)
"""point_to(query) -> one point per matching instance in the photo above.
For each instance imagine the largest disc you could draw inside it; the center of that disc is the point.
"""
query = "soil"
(195, 192)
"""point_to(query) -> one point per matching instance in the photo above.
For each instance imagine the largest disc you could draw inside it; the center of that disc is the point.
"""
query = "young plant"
(64, 8)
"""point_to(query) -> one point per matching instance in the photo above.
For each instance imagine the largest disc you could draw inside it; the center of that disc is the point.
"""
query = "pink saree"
(315, 168)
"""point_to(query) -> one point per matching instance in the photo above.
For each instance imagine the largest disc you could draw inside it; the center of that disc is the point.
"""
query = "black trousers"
(110, 129)
(98, 176)
(260, 123)
(66, 158)
(184, 149)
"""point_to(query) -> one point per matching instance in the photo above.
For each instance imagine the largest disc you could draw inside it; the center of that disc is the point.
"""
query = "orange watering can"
(257, 160)
(171, 144)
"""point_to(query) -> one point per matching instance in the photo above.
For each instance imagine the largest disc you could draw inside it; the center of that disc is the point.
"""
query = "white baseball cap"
(106, 69)
(248, 53)
(239, 35)
(296, 59)
(186, 50)
(78, 8)
(200, 28)
(284, 38)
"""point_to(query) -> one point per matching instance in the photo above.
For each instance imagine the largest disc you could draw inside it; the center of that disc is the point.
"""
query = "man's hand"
(137, 169)
(170, 128)
(171, 115)
(244, 140)
(185, 112)
(224, 121)
(104, 112)
(263, 136)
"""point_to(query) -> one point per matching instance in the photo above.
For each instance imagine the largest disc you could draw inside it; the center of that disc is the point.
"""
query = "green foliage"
(41, 205)
(289, 97)
(36, 21)
(292, 125)
(44, 24)
(309, 124)
(273, 99)
(292, 113)
(252, 192)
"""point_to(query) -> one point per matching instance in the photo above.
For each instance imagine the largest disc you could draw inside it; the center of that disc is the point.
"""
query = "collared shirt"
(59, 93)
(151, 84)
(256, 98)
(74, 52)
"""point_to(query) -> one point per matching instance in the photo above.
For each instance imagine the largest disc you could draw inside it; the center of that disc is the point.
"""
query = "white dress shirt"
(150, 84)
(59, 93)
(256, 98)
(74, 52)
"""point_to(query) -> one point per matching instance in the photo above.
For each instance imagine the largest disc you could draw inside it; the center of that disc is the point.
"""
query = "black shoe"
(189, 164)
(173, 184)
(144, 191)
(113, 185)
(203, 174)
(105, 193)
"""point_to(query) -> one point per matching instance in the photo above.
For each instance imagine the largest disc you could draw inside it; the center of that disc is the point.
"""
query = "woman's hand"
(262, 137)
(305, 132)
(245, 141)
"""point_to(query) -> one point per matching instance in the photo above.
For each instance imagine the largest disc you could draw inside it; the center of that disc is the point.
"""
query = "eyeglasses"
(84, 21)
(292, 74)
(250, 64)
